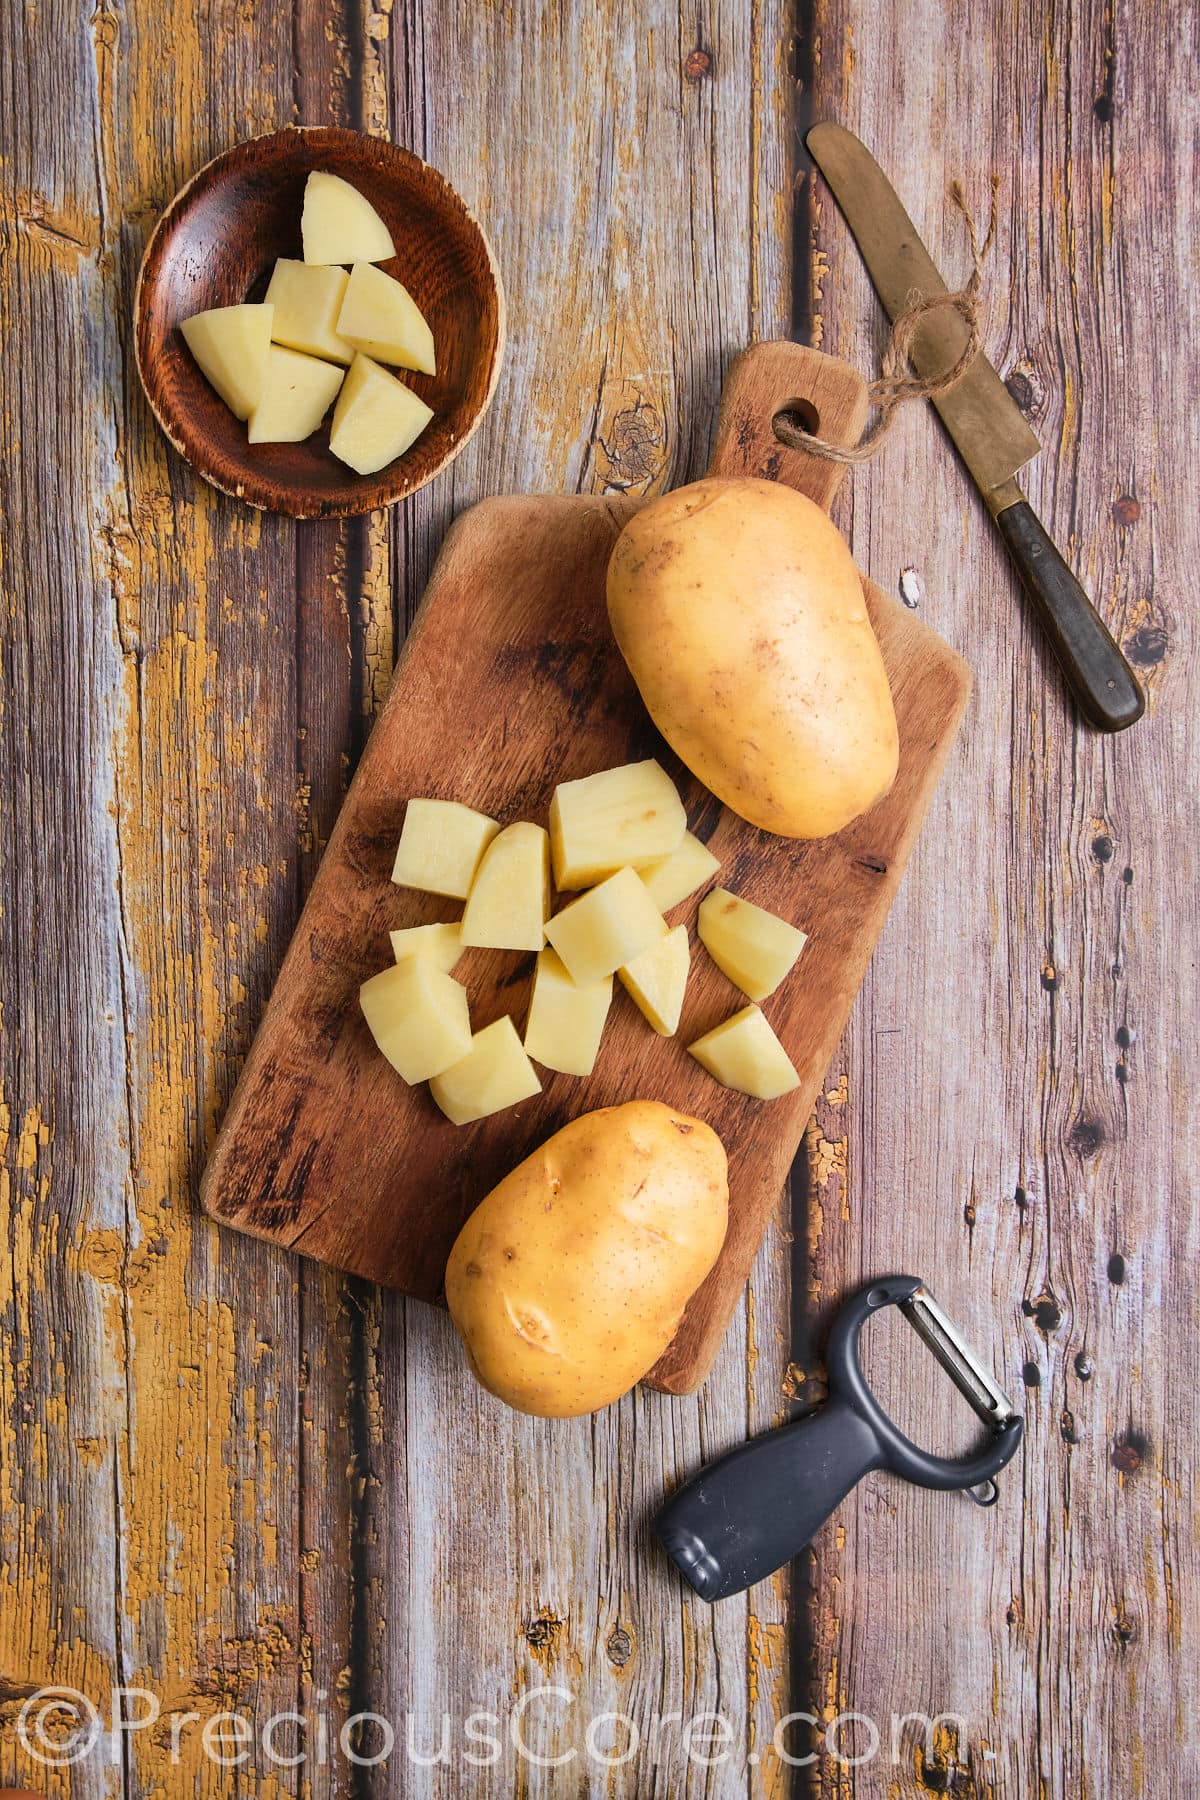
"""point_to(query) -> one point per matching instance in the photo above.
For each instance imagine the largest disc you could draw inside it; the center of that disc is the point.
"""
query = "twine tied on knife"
(898, 382)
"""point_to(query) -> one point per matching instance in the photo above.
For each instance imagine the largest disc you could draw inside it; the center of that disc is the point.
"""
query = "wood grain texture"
(510, 682)
(240, 1480)
(1014, 1082)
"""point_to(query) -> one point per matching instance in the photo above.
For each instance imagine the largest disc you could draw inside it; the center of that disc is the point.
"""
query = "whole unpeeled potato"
(737, 606)
(569, 1279)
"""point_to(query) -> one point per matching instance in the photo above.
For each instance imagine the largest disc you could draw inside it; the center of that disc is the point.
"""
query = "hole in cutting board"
(801, 415)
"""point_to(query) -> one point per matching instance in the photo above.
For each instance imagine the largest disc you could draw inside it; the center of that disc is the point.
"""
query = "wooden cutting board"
(508, 683)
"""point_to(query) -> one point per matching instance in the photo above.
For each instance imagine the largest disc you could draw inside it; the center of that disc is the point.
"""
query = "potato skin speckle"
(736, 602)
(641, 1206)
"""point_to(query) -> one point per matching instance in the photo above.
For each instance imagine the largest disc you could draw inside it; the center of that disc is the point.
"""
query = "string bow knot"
(897, 381)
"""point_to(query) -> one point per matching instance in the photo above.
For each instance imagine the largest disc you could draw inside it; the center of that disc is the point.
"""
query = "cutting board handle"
(770, 378)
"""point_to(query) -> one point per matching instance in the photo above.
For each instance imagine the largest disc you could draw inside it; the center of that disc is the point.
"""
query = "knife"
(988, 428)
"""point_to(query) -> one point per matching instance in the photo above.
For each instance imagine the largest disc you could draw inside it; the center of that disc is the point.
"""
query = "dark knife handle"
(1102, 682)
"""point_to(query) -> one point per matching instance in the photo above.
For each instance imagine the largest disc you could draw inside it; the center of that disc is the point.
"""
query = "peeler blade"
(972, 1379)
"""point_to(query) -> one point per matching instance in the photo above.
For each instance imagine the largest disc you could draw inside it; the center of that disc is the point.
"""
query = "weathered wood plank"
(1012, 1125)
(206, 827)
(630, 204)
(64, 1125)
(171, 1429)
(331, 561)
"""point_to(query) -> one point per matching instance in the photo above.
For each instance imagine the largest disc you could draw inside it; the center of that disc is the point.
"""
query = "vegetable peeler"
(743, 1517)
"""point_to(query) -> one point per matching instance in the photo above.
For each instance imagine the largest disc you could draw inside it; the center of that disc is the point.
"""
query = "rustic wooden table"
(247, 1486)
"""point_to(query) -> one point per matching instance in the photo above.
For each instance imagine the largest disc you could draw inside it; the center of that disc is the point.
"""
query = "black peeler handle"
(743, 1517)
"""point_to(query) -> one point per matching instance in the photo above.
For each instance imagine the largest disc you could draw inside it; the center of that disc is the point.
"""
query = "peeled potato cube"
(296, 394)
(339, 225)
(566, 1022)
(376, 417)
(438, 944)
(380, 317)
(606, 928)
(418, 1016)
(307, 298)
(440, 847)
(745, 1054)
(656, 980)
(494, 1073)
(509, 901)
(670, 879)
(614, 819)
(231, 343)
(753, 947)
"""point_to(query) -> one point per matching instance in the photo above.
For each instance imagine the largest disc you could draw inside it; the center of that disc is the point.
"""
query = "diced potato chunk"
(380, 317)
(438, 944)
(339, 225)
(657, 978)
(753, 947)
(231, 343)
(418, 1016)
(376, 417)
(495, 1073)
(307, 298)
(296, 395)
(670, 879)
(614, 819)
(509, 901)
(440, 847)
(745, 1054)
(606, 928)
(565, 1022)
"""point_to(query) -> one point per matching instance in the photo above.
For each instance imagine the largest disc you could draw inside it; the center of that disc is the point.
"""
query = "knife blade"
(988, 429)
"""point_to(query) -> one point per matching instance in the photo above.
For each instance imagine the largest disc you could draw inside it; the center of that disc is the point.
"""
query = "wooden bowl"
(216, 245)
